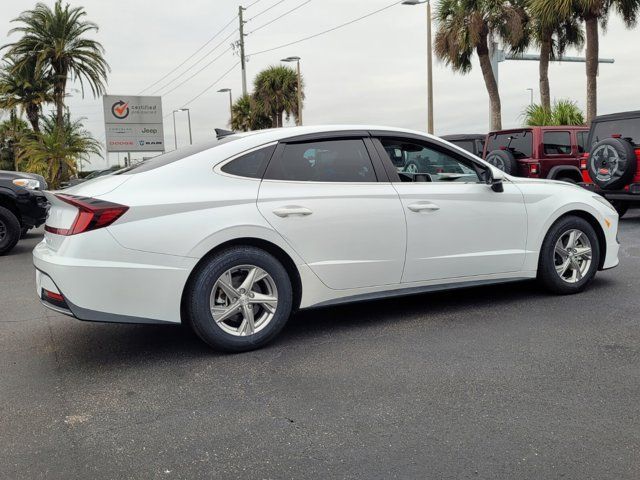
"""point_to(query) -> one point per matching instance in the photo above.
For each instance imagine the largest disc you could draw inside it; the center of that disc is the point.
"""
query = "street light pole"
(297, 60)
(224, 90)
(531, 91)
(175, 133)
(429, 62)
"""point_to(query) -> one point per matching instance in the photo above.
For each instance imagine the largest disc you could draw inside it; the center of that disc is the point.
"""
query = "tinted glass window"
(250, 165)
(557, 143)
(416, 161)
(582, 141)
(519, 143)
(628, 128)
(327, 161)
(468, 145)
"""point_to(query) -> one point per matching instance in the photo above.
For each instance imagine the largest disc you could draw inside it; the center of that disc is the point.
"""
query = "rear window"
(628, 128)
(174, 156)
(519, 143)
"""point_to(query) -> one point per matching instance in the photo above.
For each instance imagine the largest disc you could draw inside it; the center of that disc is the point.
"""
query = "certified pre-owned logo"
(120, 109)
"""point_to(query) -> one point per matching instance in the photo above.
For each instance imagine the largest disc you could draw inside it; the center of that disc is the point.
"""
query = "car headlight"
(28, 183)
(604, 201)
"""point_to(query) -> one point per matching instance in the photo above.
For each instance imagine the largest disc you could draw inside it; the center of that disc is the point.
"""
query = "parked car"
(538, 152)
(23, 206)
(232, 235)
(471, 142)
(612, 166)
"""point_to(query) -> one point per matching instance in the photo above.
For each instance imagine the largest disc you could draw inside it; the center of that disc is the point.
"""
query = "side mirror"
(495, 179)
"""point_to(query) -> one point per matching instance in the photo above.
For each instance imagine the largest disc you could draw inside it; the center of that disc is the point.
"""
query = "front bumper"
(33, 207)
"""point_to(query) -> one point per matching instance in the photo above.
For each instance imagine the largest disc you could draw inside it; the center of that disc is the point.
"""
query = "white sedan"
(233, 235)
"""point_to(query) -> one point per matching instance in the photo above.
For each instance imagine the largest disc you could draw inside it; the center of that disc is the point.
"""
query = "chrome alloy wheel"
(3, 230)
(573, 255)
(243, 300)
(411, 168)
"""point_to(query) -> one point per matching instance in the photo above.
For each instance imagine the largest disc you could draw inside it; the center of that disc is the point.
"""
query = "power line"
(251, 5)
(266, 10)
(278, 18)
(191, 56)
(196, 73)
(197, 62)
(218, 80)
(326, 31)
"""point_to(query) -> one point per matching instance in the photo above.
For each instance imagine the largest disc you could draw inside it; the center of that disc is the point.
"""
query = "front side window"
(557, 143)
(520, 144)
(323, 161)
(413, 161)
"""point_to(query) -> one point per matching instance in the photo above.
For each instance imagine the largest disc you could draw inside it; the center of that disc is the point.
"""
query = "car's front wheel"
(9, 230)
(569, 256)
(240, 299)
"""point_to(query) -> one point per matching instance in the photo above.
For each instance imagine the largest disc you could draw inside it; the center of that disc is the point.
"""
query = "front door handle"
(423, 207)
(292, 210)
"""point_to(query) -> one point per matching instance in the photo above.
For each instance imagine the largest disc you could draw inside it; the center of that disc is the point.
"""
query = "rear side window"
(557, 143)
(250, 165)
(520, 144)
(582, 141)
(627, 128)
(468, 145)
(325, 161)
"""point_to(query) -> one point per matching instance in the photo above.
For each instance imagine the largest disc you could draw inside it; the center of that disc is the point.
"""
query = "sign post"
(133, 124)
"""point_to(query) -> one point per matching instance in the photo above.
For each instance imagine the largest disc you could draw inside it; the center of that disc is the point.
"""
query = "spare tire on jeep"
(504, 160)
(612, 163)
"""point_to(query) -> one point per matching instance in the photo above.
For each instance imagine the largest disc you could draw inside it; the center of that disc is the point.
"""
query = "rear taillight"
(583, 161)
(534, 168)
(638, 154)
(92, 214)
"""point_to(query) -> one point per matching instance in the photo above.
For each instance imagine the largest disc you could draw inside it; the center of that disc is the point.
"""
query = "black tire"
(621, 207)
(198, 298)
(504, 160)
(547, 273)
(9, 230)
(612, 163)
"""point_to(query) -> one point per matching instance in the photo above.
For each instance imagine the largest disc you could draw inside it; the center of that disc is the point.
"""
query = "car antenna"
(221, 133)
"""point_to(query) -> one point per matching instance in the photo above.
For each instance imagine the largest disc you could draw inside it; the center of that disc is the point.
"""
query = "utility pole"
(242, 59)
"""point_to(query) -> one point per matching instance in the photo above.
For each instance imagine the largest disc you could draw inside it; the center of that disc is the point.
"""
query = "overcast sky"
(373, 71)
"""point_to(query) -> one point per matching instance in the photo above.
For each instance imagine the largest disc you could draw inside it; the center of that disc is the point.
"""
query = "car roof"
(617, 116)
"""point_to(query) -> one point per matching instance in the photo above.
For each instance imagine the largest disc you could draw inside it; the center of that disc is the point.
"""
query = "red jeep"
(612, 166)
(538, 152)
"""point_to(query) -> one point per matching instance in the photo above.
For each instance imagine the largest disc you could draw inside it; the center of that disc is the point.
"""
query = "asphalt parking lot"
(495, 382)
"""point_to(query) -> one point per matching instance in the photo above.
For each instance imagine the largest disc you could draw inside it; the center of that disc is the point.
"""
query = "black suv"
(471, 142)
(23, 206)
(613, 164)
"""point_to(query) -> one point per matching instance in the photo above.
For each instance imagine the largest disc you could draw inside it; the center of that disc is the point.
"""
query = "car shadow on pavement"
(99, 344)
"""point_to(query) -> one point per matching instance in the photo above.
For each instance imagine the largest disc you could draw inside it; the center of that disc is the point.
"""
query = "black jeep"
(23, 206)
(613, 164)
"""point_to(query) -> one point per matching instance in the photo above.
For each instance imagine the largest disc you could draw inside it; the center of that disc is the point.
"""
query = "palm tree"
(563, 112)
(591, 12)
(276, 93)
(26, 87)
(56, 39)
(468, 26)
(11, 133)
(54, 149)
(247, 116)
(553, 36)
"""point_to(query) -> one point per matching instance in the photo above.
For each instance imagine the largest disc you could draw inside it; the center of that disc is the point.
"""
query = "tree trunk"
(591, 24)
(59, 91)
(491, 84)
(545, 56)
(33, 114)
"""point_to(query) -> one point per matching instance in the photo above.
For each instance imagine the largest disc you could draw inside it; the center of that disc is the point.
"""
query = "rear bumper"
(619, 195)
(137, 288)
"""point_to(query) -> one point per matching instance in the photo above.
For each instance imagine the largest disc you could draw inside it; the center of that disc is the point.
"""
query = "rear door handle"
(423, 207)
(292, 210)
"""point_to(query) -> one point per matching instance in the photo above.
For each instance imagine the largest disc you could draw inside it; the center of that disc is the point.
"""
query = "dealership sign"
(133, 124)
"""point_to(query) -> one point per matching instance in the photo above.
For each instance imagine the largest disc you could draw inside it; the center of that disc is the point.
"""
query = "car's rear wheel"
(240, 299)
(9, 230)
(569, 256)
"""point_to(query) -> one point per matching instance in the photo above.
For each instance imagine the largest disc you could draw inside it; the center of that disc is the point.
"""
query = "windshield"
(627, 128)
(520, 144)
